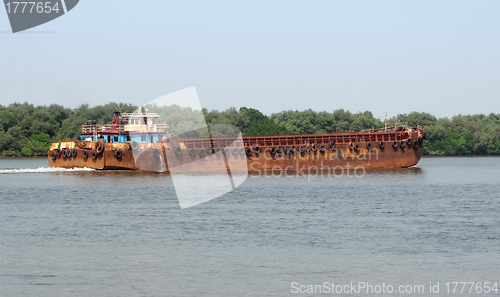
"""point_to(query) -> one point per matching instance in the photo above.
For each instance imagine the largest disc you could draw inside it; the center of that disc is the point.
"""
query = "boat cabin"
(127, 127)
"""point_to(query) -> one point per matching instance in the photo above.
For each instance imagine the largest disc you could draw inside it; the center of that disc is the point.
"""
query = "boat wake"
(43, 170)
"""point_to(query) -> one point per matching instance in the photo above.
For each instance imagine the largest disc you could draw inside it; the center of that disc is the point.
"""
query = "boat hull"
(396, 149)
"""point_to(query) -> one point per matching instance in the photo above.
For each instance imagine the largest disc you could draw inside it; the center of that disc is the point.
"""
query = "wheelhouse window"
(143, 137)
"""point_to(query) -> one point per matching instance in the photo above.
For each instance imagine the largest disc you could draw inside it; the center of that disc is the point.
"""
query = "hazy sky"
(440, 57)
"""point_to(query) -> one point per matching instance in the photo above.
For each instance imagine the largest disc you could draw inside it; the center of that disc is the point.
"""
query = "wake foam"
(43, 170)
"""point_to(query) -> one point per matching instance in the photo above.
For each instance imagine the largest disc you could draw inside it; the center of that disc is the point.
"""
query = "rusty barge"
(135, 142)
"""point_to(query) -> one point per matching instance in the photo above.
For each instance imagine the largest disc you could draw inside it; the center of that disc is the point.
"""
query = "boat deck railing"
(89, 128)
(141, 115)
(390, 127)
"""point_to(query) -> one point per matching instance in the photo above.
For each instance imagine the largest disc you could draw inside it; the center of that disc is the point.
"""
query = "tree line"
(28, 130)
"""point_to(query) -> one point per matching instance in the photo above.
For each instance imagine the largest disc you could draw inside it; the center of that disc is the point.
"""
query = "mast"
(385, 121)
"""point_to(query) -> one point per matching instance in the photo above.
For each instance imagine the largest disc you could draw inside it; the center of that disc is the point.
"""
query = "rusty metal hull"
(350, 150)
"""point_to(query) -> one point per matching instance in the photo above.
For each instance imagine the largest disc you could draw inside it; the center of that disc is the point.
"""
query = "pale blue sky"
(440, 57)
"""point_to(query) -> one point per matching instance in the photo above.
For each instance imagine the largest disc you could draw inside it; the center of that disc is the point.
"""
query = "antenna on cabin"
(385, 121)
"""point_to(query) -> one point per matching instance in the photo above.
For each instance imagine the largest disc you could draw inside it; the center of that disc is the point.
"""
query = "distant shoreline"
(22, 157)
(28, 130)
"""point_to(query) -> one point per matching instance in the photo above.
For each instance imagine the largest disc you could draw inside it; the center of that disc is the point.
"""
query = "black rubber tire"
(209, 150)
(192, 152)
(67, 153)
(322, 149)
(54, 155)
(416, 144)
(351, 145)
(420, 139)
(248, 151)
(273, 150)
(332, 144)
(217, 151)
(118, 154)
(85, 154)
(94, 155)
(307, 148)
(292, 149)
(369, 145)
(256, 149)
(313, 148)
(381, 144)
(279, 150)
(178, 151)
(402, 143)
(74, 152)
(408, 141)
(234, 151)
(226, 152)
(395, 144)
(302, 149)
(134, 145)
(201, 153)
(156, 153)
(100, 149)
(356, 147)
(242, 151)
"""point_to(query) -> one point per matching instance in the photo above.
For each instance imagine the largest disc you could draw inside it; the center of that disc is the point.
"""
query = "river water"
(91, 233)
